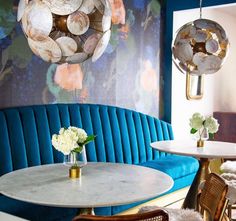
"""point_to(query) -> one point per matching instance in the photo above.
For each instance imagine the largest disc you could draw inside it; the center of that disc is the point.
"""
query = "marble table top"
(211, 149)
(9, 217)
(101, 184)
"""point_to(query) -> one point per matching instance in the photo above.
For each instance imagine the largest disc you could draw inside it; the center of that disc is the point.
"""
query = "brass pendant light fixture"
(66, 31)
(199, 47)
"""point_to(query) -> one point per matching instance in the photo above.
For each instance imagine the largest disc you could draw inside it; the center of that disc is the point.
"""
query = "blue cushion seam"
(93, 133)
(36, 127)
(131, 149)
(9, 140)
(102, 129)
(139, 158)
(146, 143)
(23, 134)
(53, 153)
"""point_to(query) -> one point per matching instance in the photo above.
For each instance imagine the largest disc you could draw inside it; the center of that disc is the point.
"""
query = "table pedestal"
(203, 171)
(85, 211)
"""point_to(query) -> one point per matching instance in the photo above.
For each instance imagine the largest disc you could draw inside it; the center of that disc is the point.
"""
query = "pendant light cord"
(200, 8)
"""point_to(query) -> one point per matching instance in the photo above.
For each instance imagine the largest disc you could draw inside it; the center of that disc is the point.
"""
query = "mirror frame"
(198, 93)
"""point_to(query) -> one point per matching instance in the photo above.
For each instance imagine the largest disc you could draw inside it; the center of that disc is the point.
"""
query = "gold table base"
(203, 171)
(86, 211)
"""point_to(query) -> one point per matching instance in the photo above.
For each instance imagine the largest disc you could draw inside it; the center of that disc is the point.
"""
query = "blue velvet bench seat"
(123, 136)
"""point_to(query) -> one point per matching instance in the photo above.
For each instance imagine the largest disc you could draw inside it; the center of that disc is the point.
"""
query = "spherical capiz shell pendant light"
(200, 47)
(66, 31)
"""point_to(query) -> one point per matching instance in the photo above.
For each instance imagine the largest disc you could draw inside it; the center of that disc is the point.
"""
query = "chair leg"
(230, 208)
(229, 211)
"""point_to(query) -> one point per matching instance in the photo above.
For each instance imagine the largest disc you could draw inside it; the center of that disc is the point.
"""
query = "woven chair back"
(156, 215)
(213, 197)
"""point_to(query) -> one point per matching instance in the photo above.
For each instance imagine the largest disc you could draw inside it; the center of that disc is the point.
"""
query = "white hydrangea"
(63, 143)
(69, 139)
(62, 130)
(80, 134)
(211, 124)
(196, 121)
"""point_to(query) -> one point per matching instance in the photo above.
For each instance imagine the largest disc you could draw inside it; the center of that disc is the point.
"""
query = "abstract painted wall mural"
(127, 75)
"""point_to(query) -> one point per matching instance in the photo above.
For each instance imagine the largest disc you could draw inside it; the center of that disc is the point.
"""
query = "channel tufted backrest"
(123, 135)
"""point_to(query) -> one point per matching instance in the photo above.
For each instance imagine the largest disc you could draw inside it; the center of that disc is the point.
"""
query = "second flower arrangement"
(203, 127)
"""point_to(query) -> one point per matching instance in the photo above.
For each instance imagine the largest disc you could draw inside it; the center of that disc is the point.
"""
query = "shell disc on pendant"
(210, 65)
(200, 36)
(100, 5)
(103, 6)
(212, 46)
(101, 46)
(87, 6)
(198, 58)
(204, 24)
(183, 51)
(47, 49)
(68, 45)
(78, 23)
(37, 20)
(21, 9)
(106, 23)
(91, 43)
(77, 58)
(63, 7)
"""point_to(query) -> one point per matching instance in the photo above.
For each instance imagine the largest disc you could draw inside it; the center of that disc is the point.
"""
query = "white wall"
(225, 86)
(219, 89)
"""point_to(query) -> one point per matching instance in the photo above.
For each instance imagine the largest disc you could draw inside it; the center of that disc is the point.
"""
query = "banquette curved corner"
(123, 136)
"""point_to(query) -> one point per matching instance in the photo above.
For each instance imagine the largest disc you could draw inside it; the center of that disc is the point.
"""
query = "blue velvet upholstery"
(123, 136)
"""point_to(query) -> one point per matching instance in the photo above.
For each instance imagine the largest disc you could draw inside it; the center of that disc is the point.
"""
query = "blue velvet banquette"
(123, 136)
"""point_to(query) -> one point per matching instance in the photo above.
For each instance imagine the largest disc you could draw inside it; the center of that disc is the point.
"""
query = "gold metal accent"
(200, 47)
(74, 172)
(85, 211)
(200, 143)
(60, 23)
(202, 173)
(194, 86)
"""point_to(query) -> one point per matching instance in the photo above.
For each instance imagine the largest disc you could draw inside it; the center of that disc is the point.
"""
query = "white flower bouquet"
(200, 124)
(71, 140)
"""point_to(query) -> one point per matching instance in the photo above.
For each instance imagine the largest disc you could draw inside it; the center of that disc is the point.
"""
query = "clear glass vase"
(75, 159)
(203, 134)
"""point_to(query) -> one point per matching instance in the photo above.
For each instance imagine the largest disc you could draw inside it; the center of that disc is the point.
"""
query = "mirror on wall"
(194, 86)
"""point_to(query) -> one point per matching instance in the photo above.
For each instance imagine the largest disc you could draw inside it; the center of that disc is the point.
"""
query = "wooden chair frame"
(155, 215)
(212, 201)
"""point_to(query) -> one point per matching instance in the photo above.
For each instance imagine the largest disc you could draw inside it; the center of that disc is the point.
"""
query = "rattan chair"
(212, 203)
(212, 200)
(155, 215)
(228, 170)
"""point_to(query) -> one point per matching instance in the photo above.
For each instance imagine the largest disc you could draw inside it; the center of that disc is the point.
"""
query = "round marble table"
(211, 150)
(101, 184)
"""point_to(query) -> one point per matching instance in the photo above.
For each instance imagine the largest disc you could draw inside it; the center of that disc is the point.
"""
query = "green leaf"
(89, 139)
(211, 135)
(78, 149)
(193, 131)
